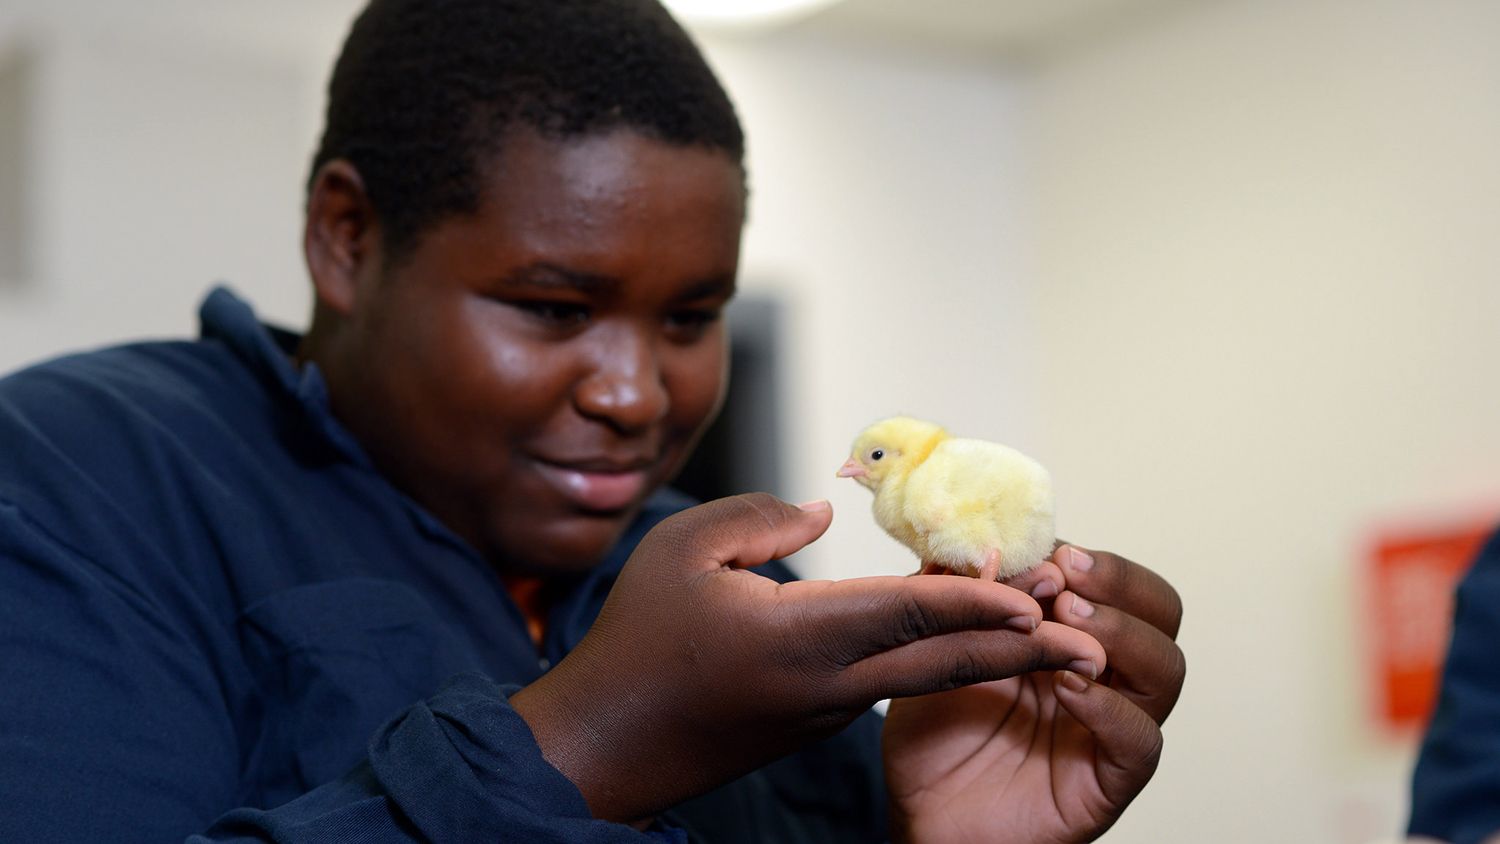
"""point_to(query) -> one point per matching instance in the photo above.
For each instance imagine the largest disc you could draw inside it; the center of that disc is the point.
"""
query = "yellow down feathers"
(976, 507)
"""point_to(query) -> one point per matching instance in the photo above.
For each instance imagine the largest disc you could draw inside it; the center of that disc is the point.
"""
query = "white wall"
(157, 168)
(885, 209)
(1268, 296)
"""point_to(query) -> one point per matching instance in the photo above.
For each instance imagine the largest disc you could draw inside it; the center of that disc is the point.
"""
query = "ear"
(342, 236)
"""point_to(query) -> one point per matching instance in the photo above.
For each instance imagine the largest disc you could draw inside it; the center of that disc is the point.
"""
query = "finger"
(1111, 579)
(848, 620)
(741, 531)
(947, 662)
(1041, 582)
(1148, 667)
(1129, 742)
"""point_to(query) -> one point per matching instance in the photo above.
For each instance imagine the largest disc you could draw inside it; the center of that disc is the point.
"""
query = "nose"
(625, 388)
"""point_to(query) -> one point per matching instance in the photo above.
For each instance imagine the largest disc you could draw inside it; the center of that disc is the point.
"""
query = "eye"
(691, 323)
(562, 314)
(876, 454)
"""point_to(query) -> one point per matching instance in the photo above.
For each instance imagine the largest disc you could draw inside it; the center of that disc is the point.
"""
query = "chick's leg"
(990, 569)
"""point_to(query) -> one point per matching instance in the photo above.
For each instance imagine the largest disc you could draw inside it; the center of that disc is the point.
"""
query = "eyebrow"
(719, 285)
(553, 277)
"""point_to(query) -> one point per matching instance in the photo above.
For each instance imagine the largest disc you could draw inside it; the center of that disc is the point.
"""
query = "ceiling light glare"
(743, 14)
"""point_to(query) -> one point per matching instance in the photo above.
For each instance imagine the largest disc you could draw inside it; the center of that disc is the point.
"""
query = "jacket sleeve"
(114, 725)
(1456, 787)
(460, 766)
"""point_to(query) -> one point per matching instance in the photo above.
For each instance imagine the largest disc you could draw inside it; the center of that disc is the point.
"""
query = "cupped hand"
(1047, 756)
(697, 671)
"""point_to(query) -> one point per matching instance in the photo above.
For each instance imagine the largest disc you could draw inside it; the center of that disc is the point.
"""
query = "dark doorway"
(742, 451)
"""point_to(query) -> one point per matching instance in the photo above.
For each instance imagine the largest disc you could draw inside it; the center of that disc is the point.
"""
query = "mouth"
(598, 485)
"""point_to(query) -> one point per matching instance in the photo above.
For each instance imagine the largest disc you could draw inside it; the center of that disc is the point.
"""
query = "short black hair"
(424, 92)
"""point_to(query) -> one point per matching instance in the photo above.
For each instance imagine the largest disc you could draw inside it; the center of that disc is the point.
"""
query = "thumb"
(744, 530)
(1129, 742)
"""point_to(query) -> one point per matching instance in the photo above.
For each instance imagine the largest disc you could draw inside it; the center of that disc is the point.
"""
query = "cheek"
(698, 381)
(495, 381)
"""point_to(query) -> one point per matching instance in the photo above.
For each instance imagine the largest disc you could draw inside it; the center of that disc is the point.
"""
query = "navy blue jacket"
(216, 617)
(1456, 788)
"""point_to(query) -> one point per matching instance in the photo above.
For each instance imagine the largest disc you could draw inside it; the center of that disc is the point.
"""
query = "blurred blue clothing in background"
(1456, 787)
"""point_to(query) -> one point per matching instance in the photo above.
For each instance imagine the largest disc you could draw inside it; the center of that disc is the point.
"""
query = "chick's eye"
(877, 454)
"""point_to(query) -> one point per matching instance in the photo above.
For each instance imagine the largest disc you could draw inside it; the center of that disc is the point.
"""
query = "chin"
(570, 545)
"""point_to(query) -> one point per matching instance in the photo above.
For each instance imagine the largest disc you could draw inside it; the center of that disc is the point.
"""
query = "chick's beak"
(852, 469)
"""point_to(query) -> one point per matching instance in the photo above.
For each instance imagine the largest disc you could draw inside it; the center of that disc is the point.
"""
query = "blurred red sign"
(1415, 574)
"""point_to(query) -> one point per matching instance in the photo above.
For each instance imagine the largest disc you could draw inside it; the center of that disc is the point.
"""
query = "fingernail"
(1023, 623)
(814, 506)
(1079, 561)
(1085, 667)
(1082, 608)
(1044, 589)
(1073, 681)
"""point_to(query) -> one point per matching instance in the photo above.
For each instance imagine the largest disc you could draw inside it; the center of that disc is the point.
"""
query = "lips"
(598, 484)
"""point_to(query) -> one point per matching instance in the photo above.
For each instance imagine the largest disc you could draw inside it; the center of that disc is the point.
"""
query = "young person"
(416, 575)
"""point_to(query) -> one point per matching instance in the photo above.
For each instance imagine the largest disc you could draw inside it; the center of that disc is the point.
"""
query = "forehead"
(609, 184)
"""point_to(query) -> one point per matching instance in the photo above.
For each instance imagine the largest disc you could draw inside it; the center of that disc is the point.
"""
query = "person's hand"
(1047, 756)
(697, 672)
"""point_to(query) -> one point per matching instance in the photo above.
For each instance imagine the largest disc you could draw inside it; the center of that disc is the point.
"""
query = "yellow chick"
(976, 507)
